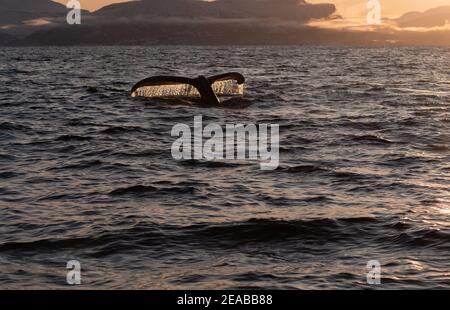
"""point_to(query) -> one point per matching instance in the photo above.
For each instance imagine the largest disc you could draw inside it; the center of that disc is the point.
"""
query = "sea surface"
(86, 172)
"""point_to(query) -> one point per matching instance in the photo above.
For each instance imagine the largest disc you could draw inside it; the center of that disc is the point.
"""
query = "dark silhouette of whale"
(202, 85)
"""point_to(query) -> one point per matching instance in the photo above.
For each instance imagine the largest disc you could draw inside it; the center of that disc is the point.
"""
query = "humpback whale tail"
(207, 89)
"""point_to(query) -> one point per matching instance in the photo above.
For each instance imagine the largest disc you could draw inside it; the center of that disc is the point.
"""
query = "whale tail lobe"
(207, 89)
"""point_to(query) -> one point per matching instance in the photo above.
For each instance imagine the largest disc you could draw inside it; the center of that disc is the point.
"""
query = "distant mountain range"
(436, 17)
(15, 12)
(164, 21)
(293, 10)
(6, 39)
(198, 22)
(16, 15)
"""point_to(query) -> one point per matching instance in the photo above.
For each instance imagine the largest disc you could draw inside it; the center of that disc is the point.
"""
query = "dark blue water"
(86, 172)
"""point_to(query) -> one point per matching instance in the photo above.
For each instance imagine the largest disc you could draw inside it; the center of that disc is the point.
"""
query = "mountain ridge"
(293, 10)
(185, 22)
(16, 12)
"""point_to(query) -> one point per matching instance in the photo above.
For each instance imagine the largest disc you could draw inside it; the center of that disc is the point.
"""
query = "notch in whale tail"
(207, 89)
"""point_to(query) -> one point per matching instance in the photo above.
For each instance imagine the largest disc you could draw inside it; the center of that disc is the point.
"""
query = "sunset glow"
(351, 9)
(92, 5)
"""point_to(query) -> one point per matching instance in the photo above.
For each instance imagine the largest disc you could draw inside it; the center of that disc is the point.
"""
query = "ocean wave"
(7, 157)
(69, 138)
(371, 139)
(302, 169)
(374, 125)
(439, 148)
(9, 174)
(116, 130)
(209, 164)
(143, 154)
(304, 233)
(404, 159)
(85, 164)
(8, 126)
(149, 190)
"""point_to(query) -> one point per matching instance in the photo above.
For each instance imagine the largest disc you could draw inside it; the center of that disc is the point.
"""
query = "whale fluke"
(207, 89)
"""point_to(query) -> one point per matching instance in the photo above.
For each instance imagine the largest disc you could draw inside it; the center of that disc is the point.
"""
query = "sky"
(347, 8)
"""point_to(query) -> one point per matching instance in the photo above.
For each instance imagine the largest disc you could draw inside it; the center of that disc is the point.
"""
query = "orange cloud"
(356, 9)
(92, 5)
